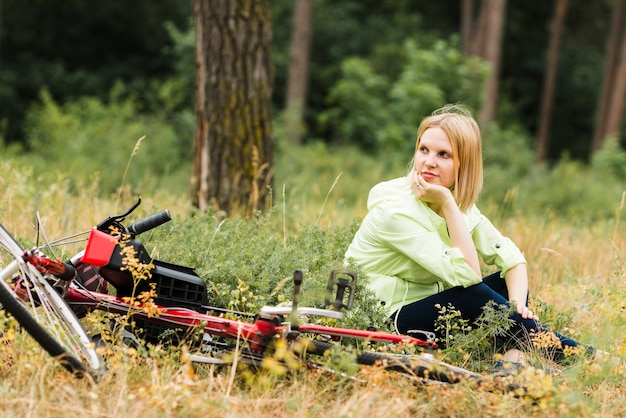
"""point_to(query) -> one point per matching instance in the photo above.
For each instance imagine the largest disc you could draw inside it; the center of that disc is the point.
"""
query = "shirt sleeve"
(428, 245)
(494, 248)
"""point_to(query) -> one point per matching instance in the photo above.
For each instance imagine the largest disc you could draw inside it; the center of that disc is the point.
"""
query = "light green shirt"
(404, 248)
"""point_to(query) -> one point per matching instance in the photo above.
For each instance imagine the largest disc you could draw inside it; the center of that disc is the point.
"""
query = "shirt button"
(447, 252)
(498, 245)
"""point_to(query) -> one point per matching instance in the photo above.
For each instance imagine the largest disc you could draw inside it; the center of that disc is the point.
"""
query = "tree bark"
(1, 28)
(467, 22)
(610, 74)
(233, 148)
(618, 95)
(479, 28)
(549, 82)
(492, 40)
(482, 37)
(298, 70)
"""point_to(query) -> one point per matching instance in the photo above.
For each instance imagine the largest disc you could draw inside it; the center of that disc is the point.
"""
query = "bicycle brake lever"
(430, 336)
(117, 219)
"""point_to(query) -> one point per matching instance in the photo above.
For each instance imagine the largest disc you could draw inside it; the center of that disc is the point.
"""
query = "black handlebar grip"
(69, 273)
(150, 222)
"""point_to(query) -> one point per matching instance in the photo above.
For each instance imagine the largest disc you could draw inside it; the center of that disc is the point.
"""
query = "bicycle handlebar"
(150, 222)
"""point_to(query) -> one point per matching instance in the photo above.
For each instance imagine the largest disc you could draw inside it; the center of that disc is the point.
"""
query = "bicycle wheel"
(42, 312)
(423, 366)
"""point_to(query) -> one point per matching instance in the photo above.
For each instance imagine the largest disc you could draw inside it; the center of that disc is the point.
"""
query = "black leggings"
(423, 314)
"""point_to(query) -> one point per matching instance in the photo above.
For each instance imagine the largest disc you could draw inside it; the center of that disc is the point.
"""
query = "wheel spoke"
(42, 311)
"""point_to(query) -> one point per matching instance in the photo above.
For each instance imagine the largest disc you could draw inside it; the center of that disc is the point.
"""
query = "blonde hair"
(464, 134)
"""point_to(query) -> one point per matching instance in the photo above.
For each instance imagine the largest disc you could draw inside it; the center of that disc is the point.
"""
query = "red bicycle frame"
(268, 323)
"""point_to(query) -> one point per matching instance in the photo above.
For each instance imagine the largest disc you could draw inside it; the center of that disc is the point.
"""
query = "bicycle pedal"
(345, 281)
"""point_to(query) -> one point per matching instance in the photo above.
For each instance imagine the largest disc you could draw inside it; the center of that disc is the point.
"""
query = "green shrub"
(569, 190)
(432, 77)
(249, 263)
(89, 138)
(610, 159)
(318, 183)
(366, 108)
(358, 105)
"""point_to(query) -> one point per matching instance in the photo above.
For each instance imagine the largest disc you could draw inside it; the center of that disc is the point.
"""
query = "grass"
(577, 269)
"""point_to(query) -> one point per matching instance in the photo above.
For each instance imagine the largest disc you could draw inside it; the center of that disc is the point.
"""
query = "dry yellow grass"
(572, 268)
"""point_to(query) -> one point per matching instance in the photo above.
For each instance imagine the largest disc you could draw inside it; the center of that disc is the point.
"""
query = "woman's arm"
(517, 285)
(459, 233)
(441, 200)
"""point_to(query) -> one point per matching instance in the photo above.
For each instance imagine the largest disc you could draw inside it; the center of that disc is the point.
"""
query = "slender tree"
(609, 96)
(485, 40)
(550, 76)
(233, 148)
(493, 29)
(467, 20)
(618, 97)
(1, 28)
(298, 69)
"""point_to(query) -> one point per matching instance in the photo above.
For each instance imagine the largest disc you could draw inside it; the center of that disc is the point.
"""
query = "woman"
(421, 240)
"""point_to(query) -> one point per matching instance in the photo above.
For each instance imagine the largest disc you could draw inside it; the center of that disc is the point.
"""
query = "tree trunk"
(482, 37)
(233, 162)
(492, 41)
(618, 95)
(610, 73)
(478, 32)
(467, 22)
(1, 29)
(298, 70)
(551, 70)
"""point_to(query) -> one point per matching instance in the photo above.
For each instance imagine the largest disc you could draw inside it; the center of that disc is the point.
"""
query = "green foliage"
(368, 109)
(569, 190)
(90, 138)
(369, 29)
(610, 160)
(175, 95)
(250, 263)
(450, 324)
(508, 160)
(358, 102)
(561, 320)
(506, 151)
(80, 48)
(431, 77)
(317, 182)
(462, 340)
(516, 185)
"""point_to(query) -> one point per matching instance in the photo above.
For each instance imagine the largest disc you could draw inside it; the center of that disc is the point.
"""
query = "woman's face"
(434, 159)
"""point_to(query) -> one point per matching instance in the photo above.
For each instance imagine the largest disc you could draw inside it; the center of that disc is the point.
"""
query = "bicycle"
(34, 281)
(42, 311)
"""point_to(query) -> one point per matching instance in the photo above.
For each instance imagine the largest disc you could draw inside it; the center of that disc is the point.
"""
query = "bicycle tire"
(46, 316)
(424, 366)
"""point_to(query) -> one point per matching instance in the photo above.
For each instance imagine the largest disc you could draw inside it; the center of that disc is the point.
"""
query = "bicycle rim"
(423, 366)
(43, 313)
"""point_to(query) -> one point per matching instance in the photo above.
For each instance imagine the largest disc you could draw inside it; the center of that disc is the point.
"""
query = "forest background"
(87, 81)
(82, 82)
